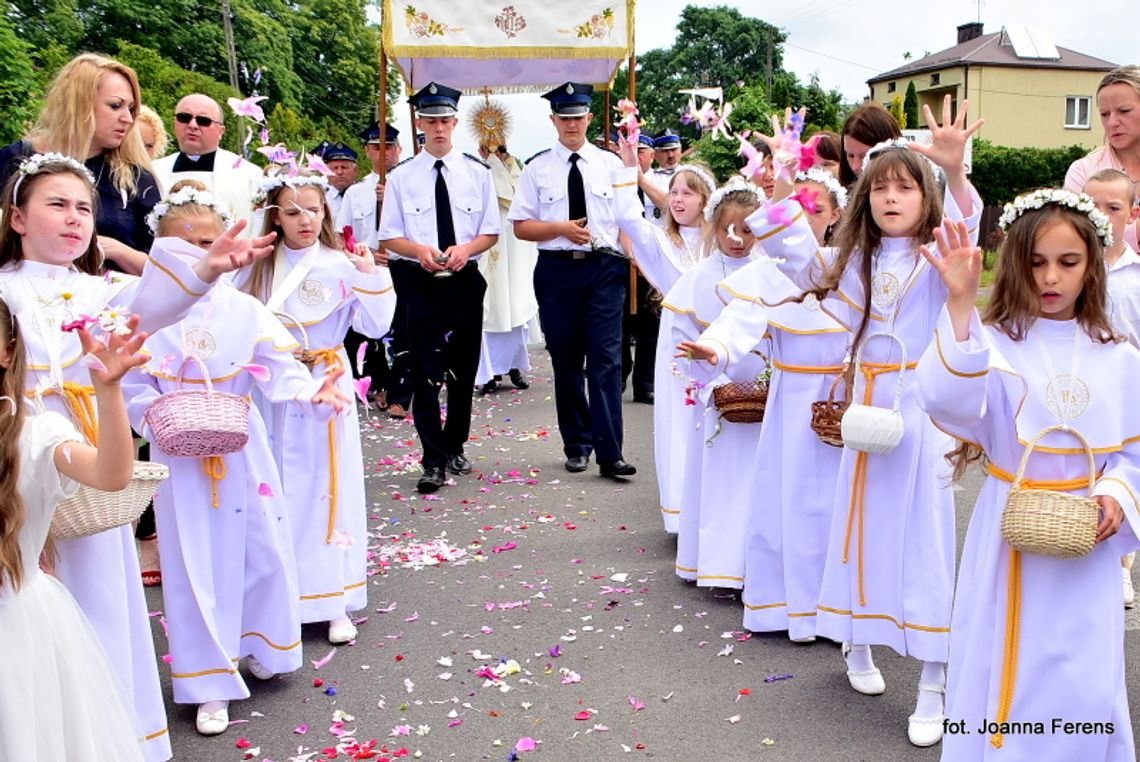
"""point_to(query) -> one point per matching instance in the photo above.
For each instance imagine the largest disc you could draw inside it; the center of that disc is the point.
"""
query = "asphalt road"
(546, 563)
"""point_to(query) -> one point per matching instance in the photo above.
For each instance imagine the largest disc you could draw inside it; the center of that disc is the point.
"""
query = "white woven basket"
(190, 423)
(874, 429)
(91, 511)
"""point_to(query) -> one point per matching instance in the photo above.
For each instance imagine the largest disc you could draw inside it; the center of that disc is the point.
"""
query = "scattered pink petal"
(361, 351)
(362, 385)
(92, 362)
(526, 743)
(637, 704)
(265, 490)
(301, 730)
(248, 107)
(323, 661)
(259, 372)
(583, 715)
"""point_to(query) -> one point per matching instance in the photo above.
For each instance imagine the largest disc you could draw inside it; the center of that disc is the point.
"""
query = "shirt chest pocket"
(467, 204)
(552, 192)
(603, 193)
(419, 218)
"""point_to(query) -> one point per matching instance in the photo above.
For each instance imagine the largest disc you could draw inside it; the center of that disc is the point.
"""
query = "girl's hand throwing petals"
(118, 355)
(695, 352)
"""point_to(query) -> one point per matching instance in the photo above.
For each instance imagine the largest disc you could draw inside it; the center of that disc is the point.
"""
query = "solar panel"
(1032, 42)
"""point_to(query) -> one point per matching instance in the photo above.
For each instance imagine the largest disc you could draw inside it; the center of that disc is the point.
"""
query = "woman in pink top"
(1118, 100)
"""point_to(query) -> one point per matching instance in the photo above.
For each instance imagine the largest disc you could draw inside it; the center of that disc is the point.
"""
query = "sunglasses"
(202, 121)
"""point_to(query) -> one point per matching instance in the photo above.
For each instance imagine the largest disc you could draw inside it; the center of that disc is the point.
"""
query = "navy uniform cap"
(570, 99)
(338, 152)
(644, 141)
(667, 139)
(421, 138)
(372, 134)
(436, 100)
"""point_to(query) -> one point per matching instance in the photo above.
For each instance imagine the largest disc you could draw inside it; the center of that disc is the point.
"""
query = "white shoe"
(869, 682)
(926, 731)
(258, 670)
(808, 639)
(213, 717)
(1129, 591)
(341, 631)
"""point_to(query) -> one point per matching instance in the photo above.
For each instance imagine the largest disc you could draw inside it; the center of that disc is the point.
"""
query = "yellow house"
(1030, 92)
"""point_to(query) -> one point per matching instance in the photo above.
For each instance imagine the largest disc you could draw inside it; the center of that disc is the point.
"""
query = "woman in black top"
(89, 114)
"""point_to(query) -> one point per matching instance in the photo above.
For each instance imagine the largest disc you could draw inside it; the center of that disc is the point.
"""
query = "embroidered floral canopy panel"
(529, 46)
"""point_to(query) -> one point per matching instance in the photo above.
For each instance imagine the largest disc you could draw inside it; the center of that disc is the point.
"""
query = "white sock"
(930, 702)
(859, 659)
(213, 706)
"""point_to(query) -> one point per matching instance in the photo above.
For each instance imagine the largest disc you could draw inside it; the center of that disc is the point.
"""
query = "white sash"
(284, 283)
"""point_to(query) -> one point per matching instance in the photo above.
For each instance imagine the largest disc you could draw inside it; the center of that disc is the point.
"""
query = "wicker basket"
(1049, 522)
(90, 511)
(742, 401)
(874, 429)
(189, 423)
(303, 354)
(827, 416)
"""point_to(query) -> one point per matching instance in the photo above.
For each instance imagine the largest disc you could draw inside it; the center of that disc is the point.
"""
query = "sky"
(821, 41)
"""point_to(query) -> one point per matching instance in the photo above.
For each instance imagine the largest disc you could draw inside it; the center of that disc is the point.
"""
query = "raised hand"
(695, 352)
(120, 353)
(229, 253)
(627, 151)
(948, 147)
(957, 261)
(328, 394)
(362, 258)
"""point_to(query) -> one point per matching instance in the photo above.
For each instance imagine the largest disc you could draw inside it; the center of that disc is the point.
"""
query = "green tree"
(751, 112)
(910, 106)
(896, 109)
(18, 86)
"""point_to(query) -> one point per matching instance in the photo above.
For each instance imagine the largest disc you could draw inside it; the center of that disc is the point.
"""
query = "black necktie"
(444, 225)
(576, 190)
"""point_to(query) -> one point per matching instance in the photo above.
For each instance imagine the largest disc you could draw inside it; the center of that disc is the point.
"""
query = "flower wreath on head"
(184, 197)
(1041, 198)
(827, 180)
(900, 143)
(735, 183)
(35, 163)
(284, 179)
(700, 172)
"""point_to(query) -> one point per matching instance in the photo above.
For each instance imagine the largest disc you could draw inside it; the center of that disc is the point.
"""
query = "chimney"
(970, 31)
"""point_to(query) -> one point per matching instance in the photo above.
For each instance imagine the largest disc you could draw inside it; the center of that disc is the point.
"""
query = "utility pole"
(768, 94)
(231, 53)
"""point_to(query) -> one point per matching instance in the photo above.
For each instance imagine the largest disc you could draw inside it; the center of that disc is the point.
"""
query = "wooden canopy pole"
(632, 97)
(383, 116)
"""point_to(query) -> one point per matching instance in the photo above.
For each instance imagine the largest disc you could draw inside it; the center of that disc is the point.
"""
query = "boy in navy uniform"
(564, 202)
(440, 213)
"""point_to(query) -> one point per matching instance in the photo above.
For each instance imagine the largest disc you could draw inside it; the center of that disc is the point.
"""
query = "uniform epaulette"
(610, 150)
(402, 163)
(477, 160)
(540, 153)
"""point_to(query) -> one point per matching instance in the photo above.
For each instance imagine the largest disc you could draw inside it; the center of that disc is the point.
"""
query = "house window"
(936, 79)
(1077, 112)
(890, 87)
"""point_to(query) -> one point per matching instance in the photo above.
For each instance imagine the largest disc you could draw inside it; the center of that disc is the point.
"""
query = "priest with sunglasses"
(198, 126)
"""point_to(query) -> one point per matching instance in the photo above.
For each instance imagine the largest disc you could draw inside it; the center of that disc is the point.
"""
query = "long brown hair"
(1014, 303)
(12, 243)
(858, 235)
(260, 280)
(67, 121)
(13, 512)
(870, 124)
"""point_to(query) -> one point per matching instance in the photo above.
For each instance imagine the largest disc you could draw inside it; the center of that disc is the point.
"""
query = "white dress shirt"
(542, 193)
(409, 199)
(358, 211)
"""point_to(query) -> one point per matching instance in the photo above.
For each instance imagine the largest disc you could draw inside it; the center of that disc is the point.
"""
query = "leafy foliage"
(16, 81)
(1000, 173)
(910, 105)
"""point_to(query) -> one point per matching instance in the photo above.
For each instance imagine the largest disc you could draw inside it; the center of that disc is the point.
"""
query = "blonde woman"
(89, 114)
(153, 132)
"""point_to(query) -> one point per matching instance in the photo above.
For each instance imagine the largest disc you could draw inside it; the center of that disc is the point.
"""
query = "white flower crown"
(1038, 199)
(37, 162)
(183, 197)
(735, 183)
(699, 172)
(827, 180)
(901, 143)
(274, 181)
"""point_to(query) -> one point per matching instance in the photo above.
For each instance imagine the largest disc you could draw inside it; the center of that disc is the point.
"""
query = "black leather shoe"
(458, 464)
(488, 387)
(646, 397)
(618, 468)
(431, 481)
(577, 464)
(517, 379)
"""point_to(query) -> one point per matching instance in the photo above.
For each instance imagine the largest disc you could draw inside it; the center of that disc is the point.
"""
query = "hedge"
(1000, 173)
